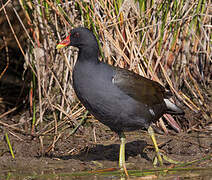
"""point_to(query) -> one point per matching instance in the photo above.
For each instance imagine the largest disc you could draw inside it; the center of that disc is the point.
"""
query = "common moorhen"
(119, 98)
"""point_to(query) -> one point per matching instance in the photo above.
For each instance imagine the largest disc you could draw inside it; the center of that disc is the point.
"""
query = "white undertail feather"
(172, 107)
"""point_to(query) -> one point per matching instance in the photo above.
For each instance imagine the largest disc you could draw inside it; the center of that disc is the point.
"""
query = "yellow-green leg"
(152, 134)
(122, 164)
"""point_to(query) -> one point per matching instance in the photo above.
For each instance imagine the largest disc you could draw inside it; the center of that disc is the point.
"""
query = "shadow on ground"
(109, 152)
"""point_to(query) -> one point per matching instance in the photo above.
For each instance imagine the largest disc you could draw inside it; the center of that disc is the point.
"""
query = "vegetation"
(167, 41)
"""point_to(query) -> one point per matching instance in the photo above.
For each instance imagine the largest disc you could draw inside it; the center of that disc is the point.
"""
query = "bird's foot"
(160, 157)
(123, 169)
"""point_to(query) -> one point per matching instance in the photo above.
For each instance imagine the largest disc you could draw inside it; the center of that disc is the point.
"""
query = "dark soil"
(94, 147)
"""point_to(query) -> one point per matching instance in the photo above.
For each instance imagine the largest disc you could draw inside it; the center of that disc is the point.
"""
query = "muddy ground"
(95, 147)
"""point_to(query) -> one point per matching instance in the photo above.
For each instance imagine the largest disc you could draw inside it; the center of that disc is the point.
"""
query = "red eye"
(76, 35)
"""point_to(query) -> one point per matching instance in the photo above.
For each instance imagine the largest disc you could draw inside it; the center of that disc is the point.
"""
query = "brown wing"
(141, 89)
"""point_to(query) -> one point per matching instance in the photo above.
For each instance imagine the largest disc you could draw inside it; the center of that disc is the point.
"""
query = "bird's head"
(79, 37)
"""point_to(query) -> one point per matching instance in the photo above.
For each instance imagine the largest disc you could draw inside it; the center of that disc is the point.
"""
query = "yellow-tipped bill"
(64, 43)
(59, 46)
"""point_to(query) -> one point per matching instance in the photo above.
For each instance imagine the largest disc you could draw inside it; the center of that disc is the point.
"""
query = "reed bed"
(167, 41)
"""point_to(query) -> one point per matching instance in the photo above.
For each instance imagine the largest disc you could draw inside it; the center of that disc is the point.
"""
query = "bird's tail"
(172, 108)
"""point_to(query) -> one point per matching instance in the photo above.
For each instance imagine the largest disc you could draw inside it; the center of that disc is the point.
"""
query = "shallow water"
(169, 173)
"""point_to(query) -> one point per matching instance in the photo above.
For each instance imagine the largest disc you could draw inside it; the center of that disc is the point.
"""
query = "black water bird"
(118, 98)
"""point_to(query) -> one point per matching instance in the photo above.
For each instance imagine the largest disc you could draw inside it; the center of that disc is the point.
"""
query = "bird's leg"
(152, 134)
(122, 151)
(122, 164)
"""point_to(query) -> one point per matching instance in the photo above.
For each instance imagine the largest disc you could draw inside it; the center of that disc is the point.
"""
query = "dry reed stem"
(130, 38)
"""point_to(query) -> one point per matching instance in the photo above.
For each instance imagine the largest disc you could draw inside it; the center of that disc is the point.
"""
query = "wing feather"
(140, 88)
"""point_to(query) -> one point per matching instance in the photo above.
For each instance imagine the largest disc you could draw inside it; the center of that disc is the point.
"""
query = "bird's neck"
(88, 54)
